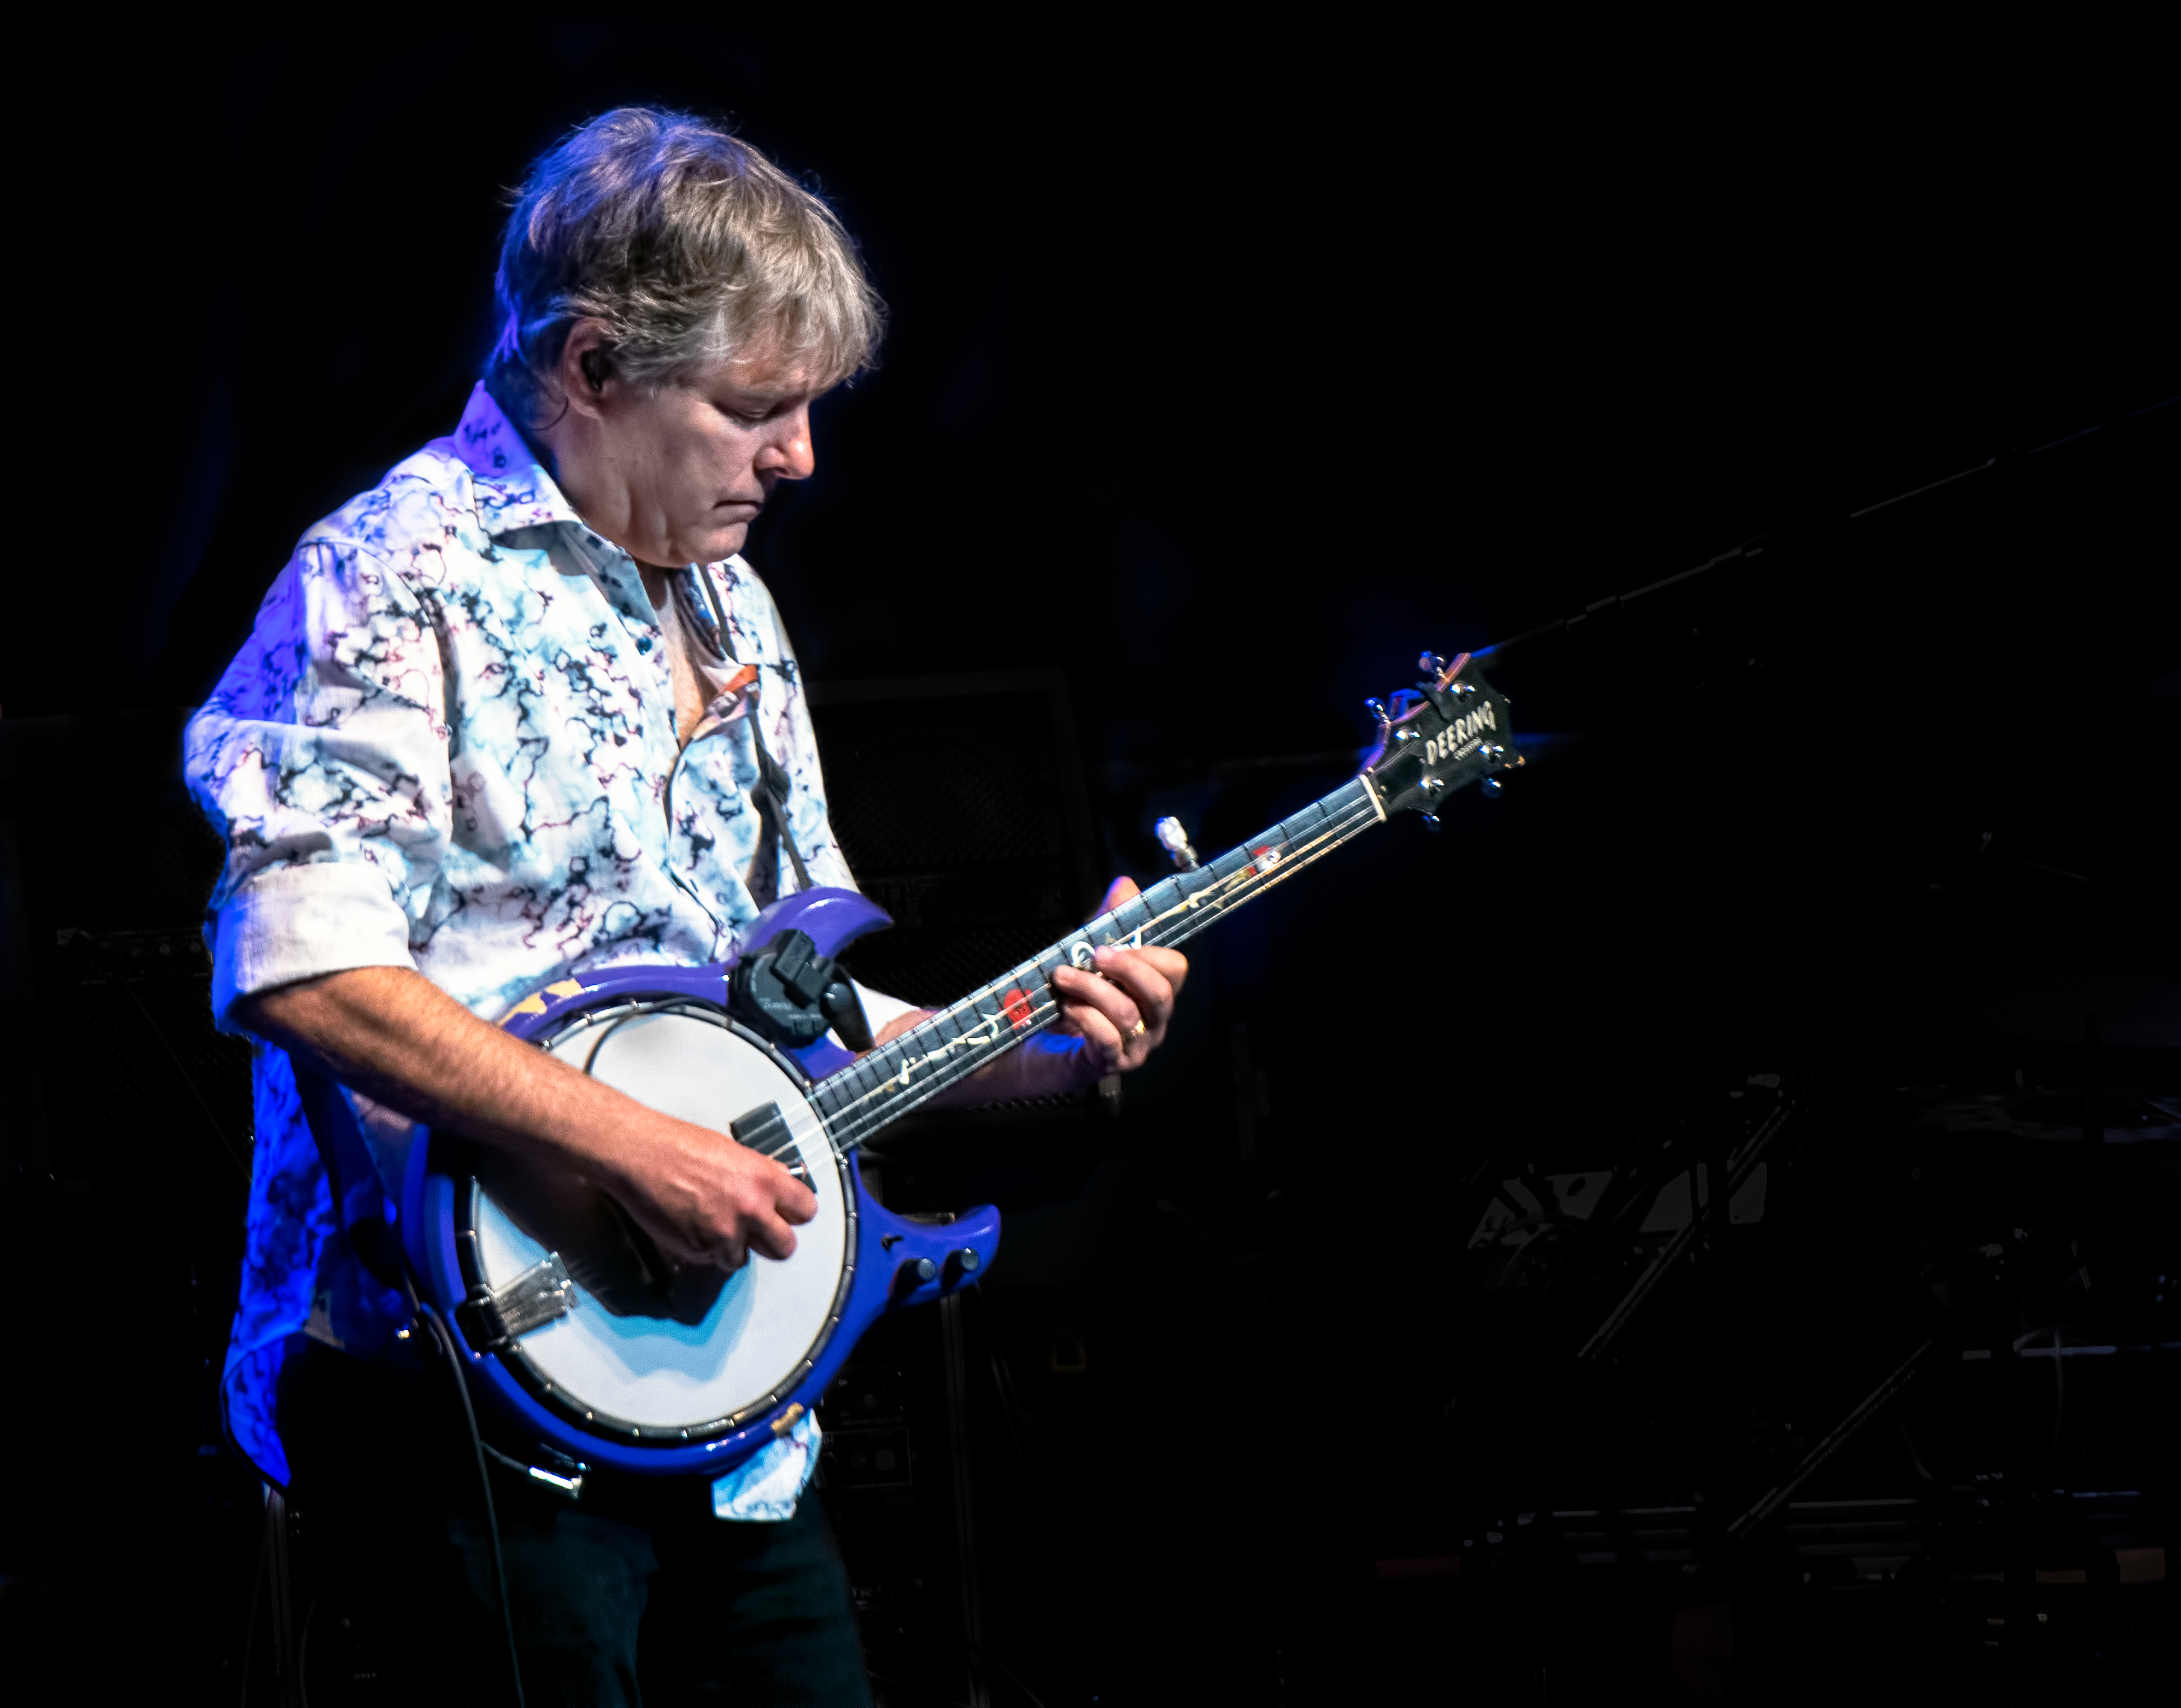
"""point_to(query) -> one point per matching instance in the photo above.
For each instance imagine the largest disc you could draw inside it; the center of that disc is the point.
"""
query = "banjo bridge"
(496, 1317)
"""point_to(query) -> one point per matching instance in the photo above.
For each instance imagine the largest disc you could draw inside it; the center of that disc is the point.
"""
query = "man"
(518, 711)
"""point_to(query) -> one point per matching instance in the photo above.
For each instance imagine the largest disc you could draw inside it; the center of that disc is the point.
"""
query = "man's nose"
(788, 453)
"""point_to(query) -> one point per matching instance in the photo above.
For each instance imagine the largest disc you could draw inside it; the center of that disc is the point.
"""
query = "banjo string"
(850, 1123)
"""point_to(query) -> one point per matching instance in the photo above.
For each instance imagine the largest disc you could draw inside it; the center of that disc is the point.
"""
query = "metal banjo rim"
(518, 1363)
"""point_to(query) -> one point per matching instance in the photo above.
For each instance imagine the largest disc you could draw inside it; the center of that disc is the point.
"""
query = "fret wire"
(858, 1126)
(1212, 907)
(1240, 886)
(1193, 912)
(1256, 883)
(1243, 887)
(1043, 1010)
(945, 1025)
(1287, 868)
(957, 1066)
(975, 1056)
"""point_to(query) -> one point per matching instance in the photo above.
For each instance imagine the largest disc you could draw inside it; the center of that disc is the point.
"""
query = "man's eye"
(757, 417)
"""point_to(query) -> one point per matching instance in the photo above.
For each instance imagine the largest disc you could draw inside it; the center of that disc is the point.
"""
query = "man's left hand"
(1120, 1008)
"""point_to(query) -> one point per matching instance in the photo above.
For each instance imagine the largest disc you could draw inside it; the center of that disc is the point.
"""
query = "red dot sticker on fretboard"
(1016, 1006)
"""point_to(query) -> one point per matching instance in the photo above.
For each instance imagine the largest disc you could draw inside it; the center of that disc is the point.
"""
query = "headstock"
(1451, 729)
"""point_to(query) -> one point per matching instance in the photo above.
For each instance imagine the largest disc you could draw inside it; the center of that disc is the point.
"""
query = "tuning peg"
(1175, 841)
(1376, 709)
(1490, 786)
(1431, 821)
(1430, 664)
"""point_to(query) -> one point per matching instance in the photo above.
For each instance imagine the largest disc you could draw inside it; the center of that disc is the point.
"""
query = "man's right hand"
(705, 1199)
(400, 1039)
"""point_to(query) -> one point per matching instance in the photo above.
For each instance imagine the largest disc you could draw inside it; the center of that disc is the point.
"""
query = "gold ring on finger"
(1140, 1028)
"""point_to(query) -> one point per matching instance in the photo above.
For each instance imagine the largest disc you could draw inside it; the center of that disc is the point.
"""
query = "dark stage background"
(1222, 375)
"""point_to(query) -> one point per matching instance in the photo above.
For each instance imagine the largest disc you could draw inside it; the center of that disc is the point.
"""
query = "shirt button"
(643, 643)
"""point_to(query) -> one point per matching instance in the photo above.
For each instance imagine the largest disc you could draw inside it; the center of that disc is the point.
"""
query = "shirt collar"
(514, 492)
(513, 489)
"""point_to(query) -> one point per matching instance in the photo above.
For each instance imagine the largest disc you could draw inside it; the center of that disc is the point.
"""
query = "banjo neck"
(1449, 730)
(885, 1084)
(718, 1381)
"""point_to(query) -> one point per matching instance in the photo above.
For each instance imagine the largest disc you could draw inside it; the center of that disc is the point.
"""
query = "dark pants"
(635, 1593)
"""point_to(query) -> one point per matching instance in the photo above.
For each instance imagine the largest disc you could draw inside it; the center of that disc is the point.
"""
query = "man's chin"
(721, 543)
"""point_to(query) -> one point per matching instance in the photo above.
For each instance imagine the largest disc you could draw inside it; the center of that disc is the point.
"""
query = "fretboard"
(885, 1085)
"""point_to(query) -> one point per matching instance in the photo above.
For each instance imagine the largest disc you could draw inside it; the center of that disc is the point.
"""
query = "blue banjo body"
(585, 1342)
(892, 1262)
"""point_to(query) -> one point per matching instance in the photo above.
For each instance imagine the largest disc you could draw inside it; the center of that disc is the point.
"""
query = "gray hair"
(688, 244)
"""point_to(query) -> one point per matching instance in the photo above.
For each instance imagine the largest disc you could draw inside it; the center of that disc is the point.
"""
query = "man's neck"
(655, 582)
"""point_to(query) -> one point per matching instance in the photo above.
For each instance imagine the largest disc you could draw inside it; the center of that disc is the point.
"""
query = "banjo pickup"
(765, 1130)
(543, 1294)
(690, 1370)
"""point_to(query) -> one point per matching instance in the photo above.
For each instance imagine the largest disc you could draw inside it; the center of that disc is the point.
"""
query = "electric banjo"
(588, 1343)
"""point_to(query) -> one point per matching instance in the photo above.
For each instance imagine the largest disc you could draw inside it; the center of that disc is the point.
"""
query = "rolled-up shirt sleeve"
(321, 759)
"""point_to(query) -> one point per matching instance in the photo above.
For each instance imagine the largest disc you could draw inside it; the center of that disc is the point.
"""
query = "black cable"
(446, 1345)
(303, 1657)
(250, 1624)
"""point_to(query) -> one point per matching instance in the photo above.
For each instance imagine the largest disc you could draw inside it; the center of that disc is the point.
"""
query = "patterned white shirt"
(450, 745)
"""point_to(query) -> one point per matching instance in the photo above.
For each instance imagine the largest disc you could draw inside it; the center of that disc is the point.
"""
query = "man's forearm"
(399, 1038)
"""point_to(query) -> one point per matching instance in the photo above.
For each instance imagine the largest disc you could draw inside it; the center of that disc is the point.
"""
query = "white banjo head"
(726, 1353)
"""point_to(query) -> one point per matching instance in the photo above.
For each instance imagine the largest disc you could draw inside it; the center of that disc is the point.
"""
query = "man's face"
(677, 474)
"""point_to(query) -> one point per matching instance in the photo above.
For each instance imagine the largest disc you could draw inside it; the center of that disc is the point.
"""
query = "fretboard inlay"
(889, 1081)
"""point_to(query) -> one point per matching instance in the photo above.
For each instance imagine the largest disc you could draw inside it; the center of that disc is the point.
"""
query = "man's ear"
(586, 366)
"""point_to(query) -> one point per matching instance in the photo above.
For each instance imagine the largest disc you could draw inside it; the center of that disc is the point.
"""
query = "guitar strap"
(772, 778)
(697, 603)
(359, 1197)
